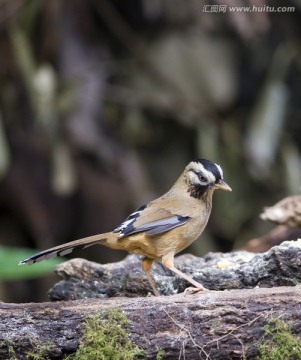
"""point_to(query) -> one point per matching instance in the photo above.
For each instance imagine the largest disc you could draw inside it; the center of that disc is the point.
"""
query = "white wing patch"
(151, 228)
(127, 226)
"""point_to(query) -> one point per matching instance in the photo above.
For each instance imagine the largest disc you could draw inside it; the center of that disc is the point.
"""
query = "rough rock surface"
(216, 271)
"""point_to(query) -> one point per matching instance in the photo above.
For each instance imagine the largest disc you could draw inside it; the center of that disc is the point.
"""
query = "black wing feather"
(151, 228)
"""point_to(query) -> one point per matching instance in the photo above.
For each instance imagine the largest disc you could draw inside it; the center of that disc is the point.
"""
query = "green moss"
(160, 354)
(10, 349)
(278, 342)
(40, 351)
(11, 353)
(105, 337)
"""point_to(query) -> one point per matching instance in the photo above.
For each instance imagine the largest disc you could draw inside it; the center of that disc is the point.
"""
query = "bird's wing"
(152, 221)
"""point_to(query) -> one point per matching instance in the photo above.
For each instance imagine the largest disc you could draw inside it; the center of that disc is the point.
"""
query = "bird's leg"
(146, 266)
(168, 262)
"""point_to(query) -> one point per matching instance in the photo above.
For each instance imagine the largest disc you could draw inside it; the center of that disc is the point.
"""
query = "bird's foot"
(194, 290)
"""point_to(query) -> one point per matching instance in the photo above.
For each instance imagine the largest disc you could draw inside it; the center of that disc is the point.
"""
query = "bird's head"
(203, 176)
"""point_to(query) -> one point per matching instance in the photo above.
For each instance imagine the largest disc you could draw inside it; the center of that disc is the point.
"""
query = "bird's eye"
(203, 178)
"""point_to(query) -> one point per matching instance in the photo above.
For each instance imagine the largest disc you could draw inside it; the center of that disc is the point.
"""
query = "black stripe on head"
(210, 166)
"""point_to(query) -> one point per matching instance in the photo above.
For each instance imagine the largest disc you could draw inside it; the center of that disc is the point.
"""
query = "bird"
(163, 227)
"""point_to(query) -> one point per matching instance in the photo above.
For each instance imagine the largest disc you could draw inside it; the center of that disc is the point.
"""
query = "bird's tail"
(65, 249)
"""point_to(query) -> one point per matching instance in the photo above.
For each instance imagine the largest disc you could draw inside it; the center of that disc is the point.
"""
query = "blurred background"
(103, 103)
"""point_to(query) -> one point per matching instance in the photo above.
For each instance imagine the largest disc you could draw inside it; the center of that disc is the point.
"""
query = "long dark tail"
(65, 249)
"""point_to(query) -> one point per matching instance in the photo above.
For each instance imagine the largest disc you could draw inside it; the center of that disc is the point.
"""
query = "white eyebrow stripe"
(205, 172)
(220, 170)
(209, 175)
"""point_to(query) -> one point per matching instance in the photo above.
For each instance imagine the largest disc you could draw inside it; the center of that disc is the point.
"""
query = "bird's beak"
(221, 184)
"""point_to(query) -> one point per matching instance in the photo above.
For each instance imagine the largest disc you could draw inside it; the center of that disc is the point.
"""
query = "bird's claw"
(194, 290)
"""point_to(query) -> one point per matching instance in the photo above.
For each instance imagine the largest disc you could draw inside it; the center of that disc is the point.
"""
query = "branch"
(212, 325)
